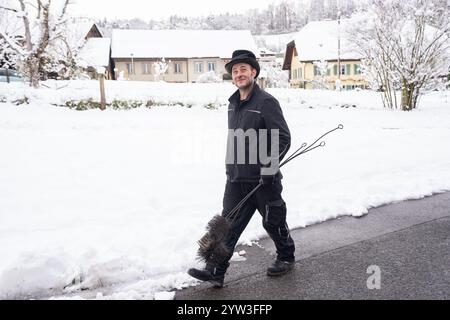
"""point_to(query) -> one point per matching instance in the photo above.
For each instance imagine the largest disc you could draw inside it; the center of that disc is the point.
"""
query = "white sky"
(156, 9)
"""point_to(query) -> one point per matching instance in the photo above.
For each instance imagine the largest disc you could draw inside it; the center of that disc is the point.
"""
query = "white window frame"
(146, 68)
(178, 68)
(198, 66)
(213, 64)
(130, 68)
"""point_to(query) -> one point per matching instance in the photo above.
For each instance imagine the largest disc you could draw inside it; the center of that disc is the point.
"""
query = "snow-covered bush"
(160, 68)
(209, 77)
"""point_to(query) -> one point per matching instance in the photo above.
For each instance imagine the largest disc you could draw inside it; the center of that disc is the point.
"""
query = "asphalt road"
(398, 251)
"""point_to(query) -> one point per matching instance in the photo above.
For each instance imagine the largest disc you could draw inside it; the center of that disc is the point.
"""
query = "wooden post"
(102, 92)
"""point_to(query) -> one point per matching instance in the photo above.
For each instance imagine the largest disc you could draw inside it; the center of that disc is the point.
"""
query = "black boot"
(214, 276)
(280, 268)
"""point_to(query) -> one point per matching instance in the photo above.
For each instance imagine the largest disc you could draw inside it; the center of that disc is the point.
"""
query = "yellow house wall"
(188, 72)
(169, 76)
(304, 78)
(193, 75)
(295, 65)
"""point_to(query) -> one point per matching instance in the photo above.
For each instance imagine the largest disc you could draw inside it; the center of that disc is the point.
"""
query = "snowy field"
(114, 202)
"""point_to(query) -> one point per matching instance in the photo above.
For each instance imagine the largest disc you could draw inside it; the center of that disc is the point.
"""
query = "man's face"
(243, 75)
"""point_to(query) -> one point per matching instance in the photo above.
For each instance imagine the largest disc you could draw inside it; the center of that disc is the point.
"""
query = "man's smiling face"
(243, 75)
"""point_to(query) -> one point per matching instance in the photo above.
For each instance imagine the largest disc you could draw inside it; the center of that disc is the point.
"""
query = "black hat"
(243, 56)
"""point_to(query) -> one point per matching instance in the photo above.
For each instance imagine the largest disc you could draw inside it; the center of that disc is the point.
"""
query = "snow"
(276, 42)
(318, 40)
(164, 295)
(180, 43)
(95, 53)
(110, 205)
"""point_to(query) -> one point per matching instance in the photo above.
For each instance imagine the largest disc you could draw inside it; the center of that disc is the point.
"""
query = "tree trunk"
(408, 97)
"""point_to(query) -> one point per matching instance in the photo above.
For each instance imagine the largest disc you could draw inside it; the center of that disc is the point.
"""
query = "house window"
(211, 66)
(295, 74)
(146, 68)
(357, 69)
(130, 68)
(199, 67)
(346, 69)
(178, 68)
(316, 71)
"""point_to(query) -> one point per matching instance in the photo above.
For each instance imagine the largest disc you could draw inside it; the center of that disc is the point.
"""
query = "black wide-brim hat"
(243, 56)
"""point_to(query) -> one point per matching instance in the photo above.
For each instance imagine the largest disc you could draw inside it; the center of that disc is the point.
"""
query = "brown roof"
(288, 57)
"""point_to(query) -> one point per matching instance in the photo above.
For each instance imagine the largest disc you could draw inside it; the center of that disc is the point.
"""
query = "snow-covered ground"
(115, 201)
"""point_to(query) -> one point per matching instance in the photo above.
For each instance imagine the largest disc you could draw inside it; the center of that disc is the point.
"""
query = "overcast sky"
(156, 9)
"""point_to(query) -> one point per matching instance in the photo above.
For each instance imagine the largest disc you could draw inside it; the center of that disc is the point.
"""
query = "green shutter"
(335, 70)
(349, 69)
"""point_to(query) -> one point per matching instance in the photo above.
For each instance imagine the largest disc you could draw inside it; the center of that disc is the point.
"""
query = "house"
(314, 60)
(96, 53)
(187, 53)
(268, 57)
(95, 50)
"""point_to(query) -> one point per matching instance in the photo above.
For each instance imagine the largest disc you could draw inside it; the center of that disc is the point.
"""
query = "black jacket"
(259, 111)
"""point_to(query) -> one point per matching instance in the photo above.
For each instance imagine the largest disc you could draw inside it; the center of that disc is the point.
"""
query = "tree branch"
(9, 9)
(13, 44)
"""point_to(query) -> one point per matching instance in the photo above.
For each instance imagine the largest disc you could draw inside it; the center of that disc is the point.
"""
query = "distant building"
(95, 50)
(188, 53)
(96, 53)
(268, 57)
(318, 41)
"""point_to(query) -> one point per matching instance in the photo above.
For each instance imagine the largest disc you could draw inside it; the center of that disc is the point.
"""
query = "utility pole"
(339, 44)
(132, 65)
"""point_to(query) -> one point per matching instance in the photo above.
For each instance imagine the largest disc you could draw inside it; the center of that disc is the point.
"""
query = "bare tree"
(403, 50)
(160, 67)
(41, 26)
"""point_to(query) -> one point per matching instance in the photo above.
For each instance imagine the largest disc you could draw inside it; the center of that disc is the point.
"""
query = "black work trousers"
(270, 204)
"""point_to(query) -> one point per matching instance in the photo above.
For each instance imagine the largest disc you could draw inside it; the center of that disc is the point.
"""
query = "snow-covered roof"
(318, 40)
(275, 42)
(180, 43)
(266, 52)
(78, 29)
(95, 53)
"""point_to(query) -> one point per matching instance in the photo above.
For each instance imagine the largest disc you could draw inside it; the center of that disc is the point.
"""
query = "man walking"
(252, 111)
